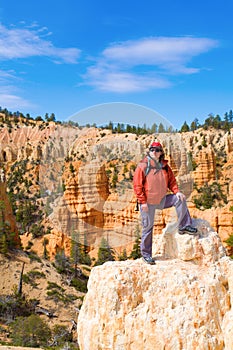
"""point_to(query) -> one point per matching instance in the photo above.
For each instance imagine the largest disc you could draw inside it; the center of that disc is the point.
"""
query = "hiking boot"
(188, 229)
(148, 260)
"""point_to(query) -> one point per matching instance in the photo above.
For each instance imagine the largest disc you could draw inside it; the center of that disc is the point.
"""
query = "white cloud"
(13, 102)
(25, 42)
(10, 94)
(158, 51)
(5, 75)
(123, 82)
(146, 63)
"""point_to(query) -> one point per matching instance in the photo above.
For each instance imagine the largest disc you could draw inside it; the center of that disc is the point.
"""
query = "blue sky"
(171, 56)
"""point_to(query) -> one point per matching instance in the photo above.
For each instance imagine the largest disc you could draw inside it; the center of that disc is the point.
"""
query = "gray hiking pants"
(147, 220)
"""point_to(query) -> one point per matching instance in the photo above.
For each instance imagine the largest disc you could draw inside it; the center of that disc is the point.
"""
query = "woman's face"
(155, 153)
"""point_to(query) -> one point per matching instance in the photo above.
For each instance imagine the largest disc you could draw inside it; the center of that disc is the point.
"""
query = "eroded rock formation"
(101, 210)
(84, 177)
(6, 215)
(182, 302)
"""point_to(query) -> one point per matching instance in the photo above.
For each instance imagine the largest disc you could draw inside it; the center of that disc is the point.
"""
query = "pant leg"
(147, 220)
(184, 218)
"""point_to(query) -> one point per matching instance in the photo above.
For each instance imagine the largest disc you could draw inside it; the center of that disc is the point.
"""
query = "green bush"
(193, 164)
(30, 277)
(123, 256)
(136, 252)
(80, 284)
(12, 306)
(229, 240)
(29, 245)
(33, 256)
(57, 293)
(209, 196)
(105, 253)
(30, 331)
(204, 143)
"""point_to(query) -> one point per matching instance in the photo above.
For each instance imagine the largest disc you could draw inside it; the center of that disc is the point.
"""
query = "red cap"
(156, 144)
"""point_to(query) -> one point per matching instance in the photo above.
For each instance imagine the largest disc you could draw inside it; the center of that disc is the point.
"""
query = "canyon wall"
(101, 210)
(84, 178)
(7, 216)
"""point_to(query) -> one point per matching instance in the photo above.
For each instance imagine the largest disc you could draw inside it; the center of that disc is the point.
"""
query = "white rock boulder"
(181, 303)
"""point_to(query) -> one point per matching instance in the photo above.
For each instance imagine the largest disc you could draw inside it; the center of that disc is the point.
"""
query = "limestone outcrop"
(182, 302)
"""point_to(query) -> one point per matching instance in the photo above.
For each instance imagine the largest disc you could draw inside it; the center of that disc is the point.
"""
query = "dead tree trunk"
(20, 286)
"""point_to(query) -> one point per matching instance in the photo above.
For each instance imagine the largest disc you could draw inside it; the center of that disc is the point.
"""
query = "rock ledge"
(182, 302)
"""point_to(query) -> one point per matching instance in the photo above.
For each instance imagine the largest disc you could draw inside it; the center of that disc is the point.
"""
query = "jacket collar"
(164, 162)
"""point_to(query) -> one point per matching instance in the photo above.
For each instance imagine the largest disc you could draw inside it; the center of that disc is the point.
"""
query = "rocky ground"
(65, 313)
(184, 301)
(16, 348)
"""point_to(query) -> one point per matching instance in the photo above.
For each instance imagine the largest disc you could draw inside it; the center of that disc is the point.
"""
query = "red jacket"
(151, 188)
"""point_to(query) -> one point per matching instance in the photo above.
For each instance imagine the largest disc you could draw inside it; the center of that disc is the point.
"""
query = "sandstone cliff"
(6, 214)
(82, 178)
(182, 302)
(99, 209)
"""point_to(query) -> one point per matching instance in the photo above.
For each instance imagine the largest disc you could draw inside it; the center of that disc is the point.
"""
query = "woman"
(152, 179)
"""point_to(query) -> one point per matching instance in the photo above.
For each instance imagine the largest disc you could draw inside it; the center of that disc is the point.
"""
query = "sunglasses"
(156, 149)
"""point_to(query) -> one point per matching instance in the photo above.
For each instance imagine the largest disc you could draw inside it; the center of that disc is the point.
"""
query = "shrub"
(61, 335)
(30, 331)
(31, 276)
(123, 256)
(136, 252)
(204, 143)
(29, 245)
(105, 253)
(33, 256)
(12, 306)
(57, 293)
(209, 196)
(80, 284)
(229, 240)
(193, 164)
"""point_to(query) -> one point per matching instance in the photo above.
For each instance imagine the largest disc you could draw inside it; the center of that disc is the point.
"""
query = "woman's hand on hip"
(180, 196)
(144, 207)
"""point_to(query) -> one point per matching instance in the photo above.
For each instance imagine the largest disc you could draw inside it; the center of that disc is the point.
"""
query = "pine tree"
(128, 128)
(45, 252)
(110, 125)
(194, 124)
(161, 128)
(226, 125)
(123, 256)
(136, 252)
(154, 128)
(230, 116)
(7, 238)
(75, 253)
(30, 331)
(79, 252)
(204, 143)
(105, 252)
(87, 259)
(184, 127)
(61, 262)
